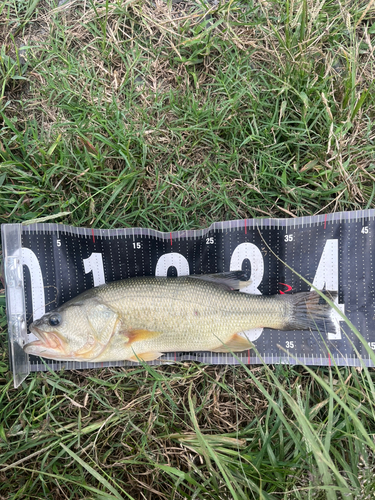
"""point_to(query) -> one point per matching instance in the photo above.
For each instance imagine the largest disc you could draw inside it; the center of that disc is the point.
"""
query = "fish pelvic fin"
(235, 343)
(146, 356)
(309, 311)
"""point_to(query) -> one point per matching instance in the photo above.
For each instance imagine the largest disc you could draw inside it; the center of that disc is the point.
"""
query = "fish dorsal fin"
(103, 321)
(231, 280)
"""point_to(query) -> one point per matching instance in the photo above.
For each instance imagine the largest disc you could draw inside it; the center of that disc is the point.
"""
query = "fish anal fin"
(235, 343)
(146, 356)
(138, 334)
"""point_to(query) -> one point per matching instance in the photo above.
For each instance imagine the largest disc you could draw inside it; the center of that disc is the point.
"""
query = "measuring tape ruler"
(49, 264)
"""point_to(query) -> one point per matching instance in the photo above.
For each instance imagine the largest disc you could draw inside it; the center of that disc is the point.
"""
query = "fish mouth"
(48, 345)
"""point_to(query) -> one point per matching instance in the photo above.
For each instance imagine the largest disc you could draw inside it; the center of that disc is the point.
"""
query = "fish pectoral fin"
(138, 334)
(146, 356)
(235, 343)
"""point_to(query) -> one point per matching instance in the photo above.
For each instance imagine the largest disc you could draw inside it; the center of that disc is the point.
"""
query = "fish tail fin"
(310, 311)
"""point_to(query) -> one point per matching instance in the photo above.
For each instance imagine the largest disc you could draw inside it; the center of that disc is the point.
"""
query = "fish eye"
(54, 319)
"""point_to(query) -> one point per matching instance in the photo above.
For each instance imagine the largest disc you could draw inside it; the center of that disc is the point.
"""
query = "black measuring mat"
(333, 252)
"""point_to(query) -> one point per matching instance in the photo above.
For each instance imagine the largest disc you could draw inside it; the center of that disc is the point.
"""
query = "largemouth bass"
(142, 318)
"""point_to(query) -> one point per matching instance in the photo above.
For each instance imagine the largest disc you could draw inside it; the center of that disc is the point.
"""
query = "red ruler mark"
(329, 359)
(325, 221)
(245, 226)
(248, 356)
(288, 288)
(170, 235)
(93, 235)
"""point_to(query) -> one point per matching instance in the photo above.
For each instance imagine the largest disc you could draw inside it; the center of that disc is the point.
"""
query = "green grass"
(173, 116)
(189, 431)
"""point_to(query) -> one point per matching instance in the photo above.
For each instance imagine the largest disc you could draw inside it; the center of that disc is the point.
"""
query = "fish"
(141, 318)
